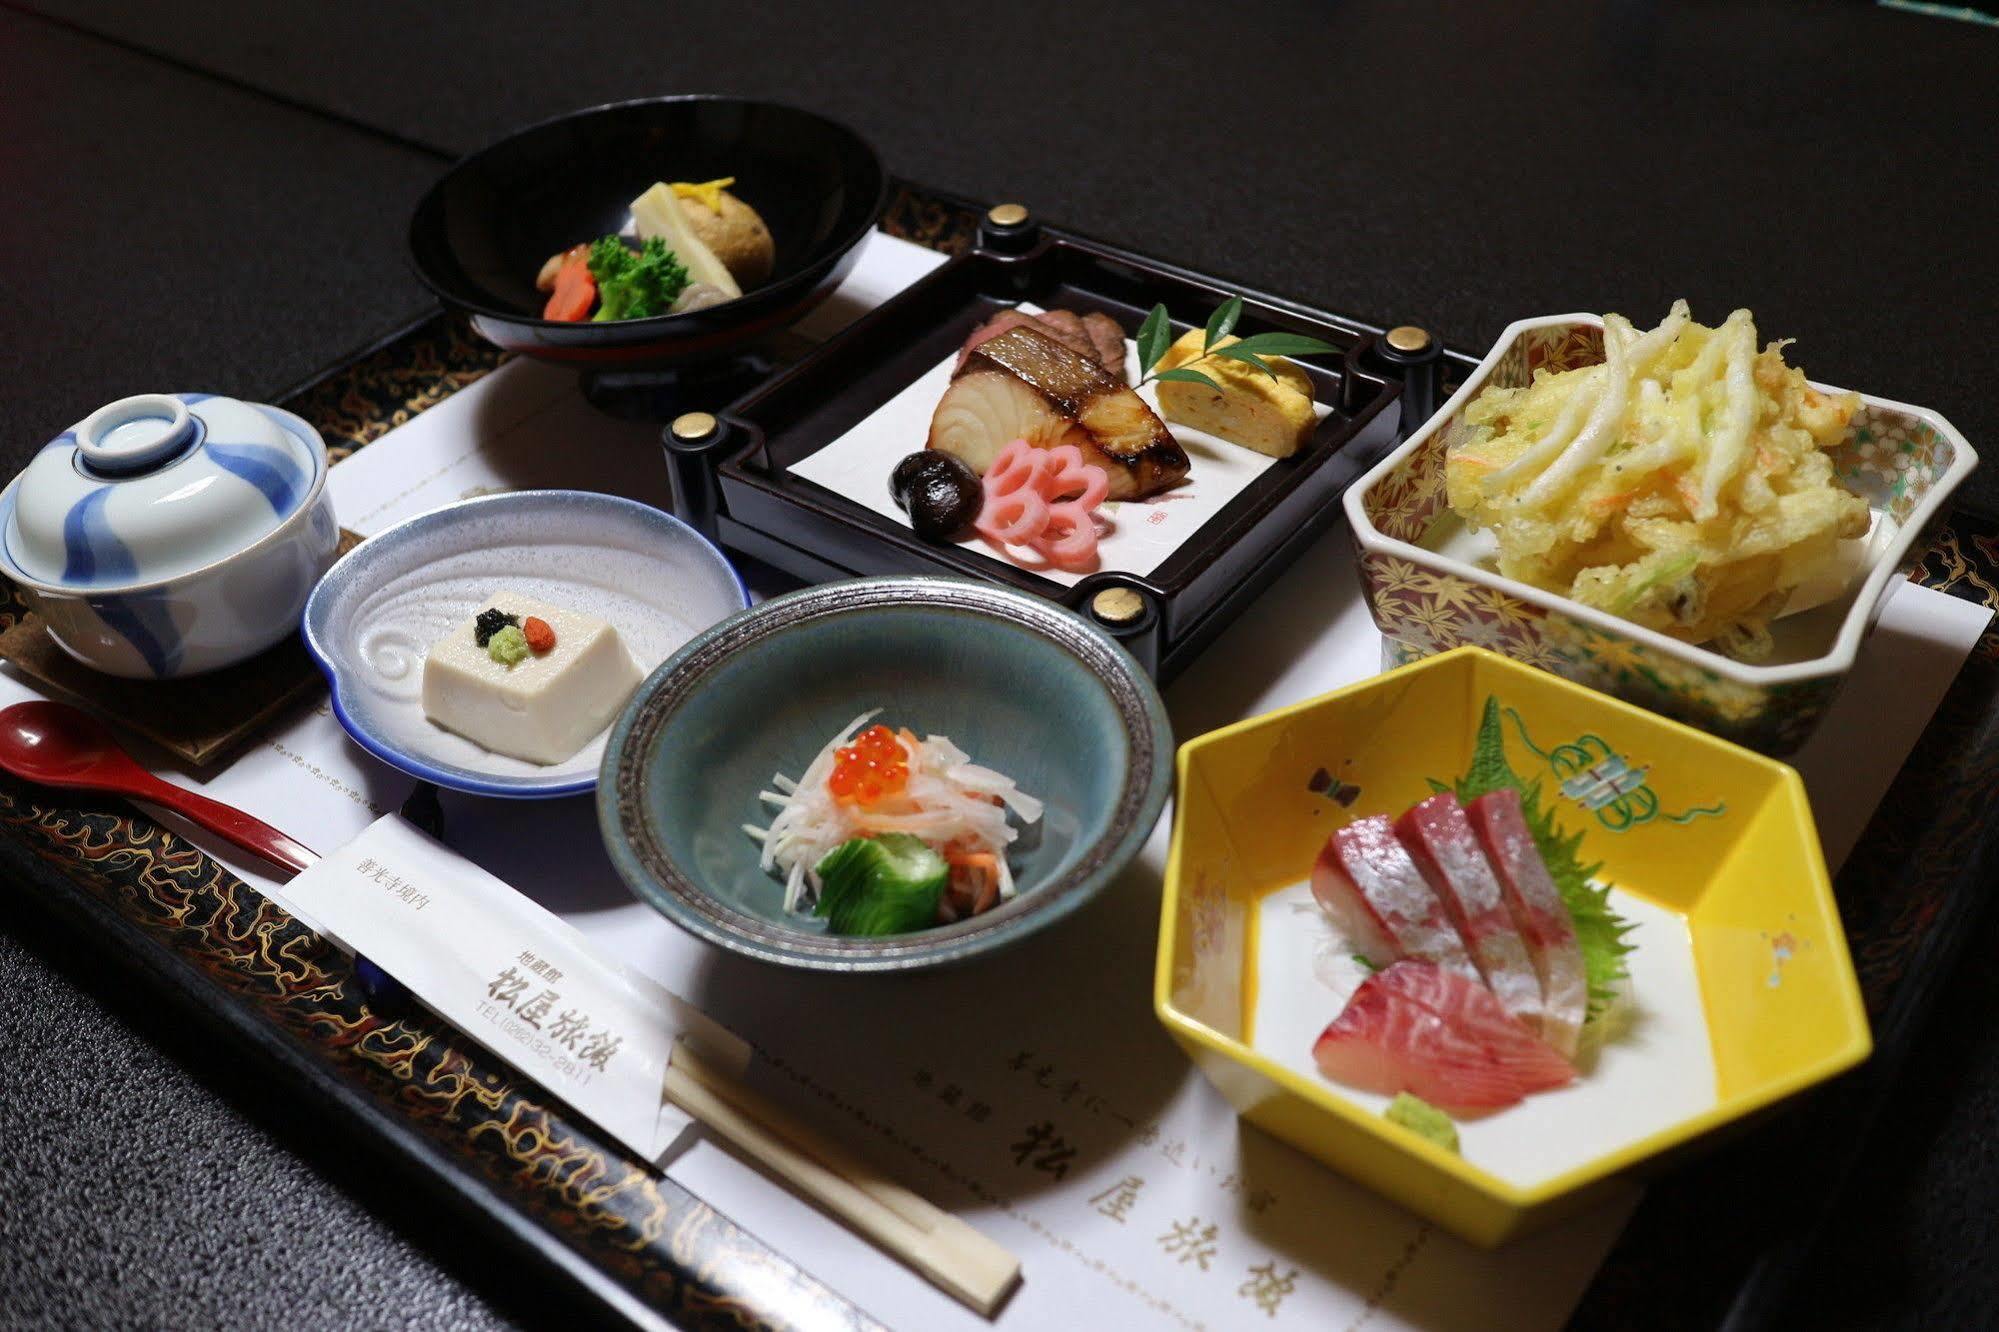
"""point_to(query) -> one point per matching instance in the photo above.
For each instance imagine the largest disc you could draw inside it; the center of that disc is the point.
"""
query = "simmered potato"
(735, 232)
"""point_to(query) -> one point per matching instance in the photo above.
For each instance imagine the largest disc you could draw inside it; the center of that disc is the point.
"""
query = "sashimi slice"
(1538, 913)
(1474, 1012)
(1386, 1043)
(1374, 892)
(1440, 839)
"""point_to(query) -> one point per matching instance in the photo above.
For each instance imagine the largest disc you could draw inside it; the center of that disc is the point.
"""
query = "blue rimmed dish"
(1022, 685)
(372, 618)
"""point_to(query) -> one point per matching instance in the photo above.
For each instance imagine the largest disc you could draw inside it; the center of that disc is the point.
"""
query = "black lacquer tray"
(733, 481)
(1714, 1243)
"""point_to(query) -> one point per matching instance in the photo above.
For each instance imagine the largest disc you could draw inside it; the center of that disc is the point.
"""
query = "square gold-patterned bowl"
(1740, 991)
(1430, 586)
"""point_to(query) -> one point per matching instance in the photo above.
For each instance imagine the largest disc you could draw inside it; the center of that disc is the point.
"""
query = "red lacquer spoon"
(54, 744)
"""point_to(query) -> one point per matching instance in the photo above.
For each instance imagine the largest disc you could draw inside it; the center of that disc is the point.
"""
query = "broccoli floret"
(635, 285)
(610, 257)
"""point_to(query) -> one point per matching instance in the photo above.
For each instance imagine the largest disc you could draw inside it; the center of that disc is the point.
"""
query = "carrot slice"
(974, 879)
(575, 291)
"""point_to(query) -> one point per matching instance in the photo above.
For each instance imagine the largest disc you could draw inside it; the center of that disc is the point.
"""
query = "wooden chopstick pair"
(949, 1253)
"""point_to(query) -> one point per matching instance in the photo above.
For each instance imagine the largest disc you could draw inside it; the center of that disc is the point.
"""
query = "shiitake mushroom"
(939, 492)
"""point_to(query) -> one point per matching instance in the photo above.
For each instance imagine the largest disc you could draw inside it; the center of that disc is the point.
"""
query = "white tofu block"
(543, 708)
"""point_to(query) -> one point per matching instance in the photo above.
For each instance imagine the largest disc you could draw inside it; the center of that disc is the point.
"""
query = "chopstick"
(953, 1256)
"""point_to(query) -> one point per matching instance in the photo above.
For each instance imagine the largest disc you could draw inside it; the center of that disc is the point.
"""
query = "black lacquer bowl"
(482, 232)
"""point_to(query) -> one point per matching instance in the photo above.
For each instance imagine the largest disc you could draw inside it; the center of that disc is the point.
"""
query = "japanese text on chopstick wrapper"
(515, 978)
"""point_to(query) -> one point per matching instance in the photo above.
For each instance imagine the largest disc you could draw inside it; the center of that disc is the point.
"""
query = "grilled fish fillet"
(1094, 335)
(1024, 384)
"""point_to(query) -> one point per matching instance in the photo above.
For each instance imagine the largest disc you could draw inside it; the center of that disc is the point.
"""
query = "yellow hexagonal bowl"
(1742, 868)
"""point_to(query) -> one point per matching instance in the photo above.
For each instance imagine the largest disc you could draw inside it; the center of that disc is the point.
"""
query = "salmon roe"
(871, 768)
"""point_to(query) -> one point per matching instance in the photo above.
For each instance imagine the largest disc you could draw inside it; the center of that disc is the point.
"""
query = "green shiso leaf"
(881, 885)
(1154, 336)
(1600, 931)
(1221, 322)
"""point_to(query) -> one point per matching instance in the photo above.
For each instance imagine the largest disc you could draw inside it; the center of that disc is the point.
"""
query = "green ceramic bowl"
(1019, 683)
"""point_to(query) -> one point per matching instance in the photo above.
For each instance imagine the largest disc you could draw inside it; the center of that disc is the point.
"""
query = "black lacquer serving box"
(732, 478)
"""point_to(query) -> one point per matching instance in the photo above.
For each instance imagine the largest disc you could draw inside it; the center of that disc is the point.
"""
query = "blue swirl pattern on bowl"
(191, 549)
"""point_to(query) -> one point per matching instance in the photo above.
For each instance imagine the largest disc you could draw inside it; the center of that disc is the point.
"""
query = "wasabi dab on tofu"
(1421, 1118)
(508, 646)
(881, 885)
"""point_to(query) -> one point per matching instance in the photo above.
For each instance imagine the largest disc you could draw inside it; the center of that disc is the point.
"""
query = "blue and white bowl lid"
(154, 486)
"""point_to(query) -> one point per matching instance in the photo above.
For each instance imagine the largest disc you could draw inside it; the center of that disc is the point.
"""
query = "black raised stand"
(1130, 614)
(661, 393)
(694, 445)
(1411, 354)
(1008, 228)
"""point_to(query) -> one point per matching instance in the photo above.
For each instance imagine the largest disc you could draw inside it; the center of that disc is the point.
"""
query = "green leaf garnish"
(1182, 375)
(1600, 931)
(1221, 321)
(880, 885)
(1237, 351)
(1155, 335)
(1284, 344)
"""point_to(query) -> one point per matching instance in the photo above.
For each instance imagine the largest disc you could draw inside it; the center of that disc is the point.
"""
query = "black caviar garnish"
(490, 622)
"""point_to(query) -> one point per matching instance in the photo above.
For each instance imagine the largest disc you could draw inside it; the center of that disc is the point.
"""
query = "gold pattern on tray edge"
(609, 1208)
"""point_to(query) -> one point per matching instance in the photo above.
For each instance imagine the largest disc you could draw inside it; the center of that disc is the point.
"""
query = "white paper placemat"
(1035, 1094)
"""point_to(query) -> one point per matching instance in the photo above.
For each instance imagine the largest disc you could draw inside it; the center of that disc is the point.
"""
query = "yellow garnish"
(707, 191)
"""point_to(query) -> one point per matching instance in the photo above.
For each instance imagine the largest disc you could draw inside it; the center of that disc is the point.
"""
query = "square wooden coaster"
(201, 719)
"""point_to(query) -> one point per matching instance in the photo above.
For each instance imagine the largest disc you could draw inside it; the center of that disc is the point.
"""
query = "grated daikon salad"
(874, 783)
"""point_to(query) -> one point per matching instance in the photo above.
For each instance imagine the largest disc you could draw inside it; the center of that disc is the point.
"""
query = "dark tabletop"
(214, 198)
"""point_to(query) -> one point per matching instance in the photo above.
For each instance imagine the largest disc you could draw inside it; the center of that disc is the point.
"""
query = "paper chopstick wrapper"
(516, 978)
